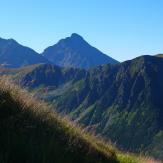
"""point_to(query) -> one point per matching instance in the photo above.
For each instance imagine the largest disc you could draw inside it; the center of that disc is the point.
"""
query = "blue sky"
(122, 29)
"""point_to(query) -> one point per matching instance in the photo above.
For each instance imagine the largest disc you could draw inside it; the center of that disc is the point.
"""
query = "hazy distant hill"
(121, 102)
(74, 51)
(160, 55)
(70, 52)
(12, 54)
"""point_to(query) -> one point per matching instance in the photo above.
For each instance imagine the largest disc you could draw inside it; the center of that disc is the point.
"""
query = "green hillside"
(30, 132)
(119, 102)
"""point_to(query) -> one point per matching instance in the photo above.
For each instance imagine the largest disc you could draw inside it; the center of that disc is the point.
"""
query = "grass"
(31, 133)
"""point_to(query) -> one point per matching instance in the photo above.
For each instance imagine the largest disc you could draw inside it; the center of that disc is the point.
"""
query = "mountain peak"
(8, 40)
(77, 36)
(12, 40)
(13, 54)
(74, 51)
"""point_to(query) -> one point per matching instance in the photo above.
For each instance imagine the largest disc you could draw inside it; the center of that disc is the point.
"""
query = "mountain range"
(13, 55)
(121, 102)
(73, 51)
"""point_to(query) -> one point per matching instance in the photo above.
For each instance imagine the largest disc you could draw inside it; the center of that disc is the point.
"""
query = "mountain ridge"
(74, 51)
(111, 100)
(13, 54)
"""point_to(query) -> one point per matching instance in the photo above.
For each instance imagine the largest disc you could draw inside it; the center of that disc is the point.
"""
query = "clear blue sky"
(122, 29)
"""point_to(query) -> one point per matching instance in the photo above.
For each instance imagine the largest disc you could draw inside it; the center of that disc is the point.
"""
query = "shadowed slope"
(13, 55)
(111, 100)
(74, 51)
(29, 132)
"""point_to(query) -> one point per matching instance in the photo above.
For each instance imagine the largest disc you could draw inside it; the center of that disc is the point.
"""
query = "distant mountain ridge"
(13, 55)
(160, 55)
(74, 51)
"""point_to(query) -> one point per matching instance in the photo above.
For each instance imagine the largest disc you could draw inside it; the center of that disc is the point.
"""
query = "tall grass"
(30, 132)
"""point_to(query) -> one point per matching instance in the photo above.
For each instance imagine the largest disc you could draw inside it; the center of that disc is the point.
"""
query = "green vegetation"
(30, 132)
(121, 102)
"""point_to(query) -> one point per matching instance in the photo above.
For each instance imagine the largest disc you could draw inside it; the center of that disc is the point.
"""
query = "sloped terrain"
(160, 55)
(120, 102)
(30, 132)
(13, 55)
(75, 52)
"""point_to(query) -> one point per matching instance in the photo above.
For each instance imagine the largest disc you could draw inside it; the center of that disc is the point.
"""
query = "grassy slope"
(29, 132)
(105, 102)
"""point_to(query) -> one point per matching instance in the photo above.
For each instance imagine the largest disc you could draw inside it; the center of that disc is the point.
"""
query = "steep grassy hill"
(29, 132)
(119, 102)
